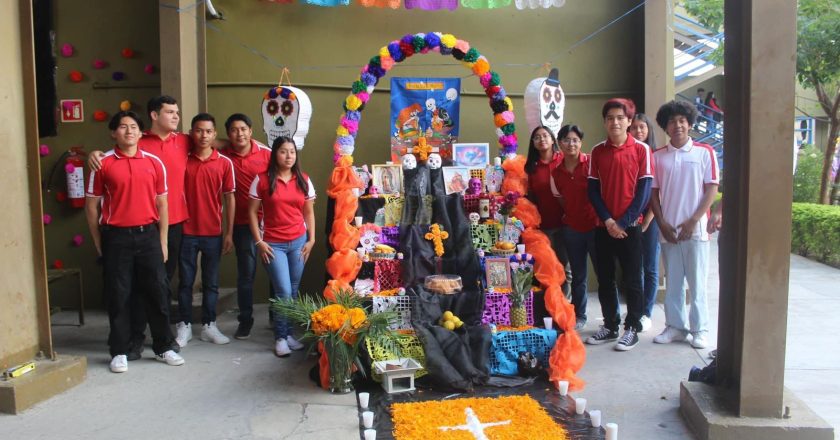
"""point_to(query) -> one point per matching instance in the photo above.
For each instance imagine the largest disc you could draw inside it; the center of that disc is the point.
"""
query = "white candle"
(549, 322)
(358, 220)
(612, 431)
(595, 416)
(563, 387)
(370, 434)
(363, 400)
(497, 161)
(361, 251)
(367, 418)
(580, 405)
(520, 248)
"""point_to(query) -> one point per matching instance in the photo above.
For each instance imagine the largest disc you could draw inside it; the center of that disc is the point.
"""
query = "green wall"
(325, 47)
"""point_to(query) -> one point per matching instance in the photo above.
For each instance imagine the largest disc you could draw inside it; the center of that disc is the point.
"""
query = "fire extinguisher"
(74, 167)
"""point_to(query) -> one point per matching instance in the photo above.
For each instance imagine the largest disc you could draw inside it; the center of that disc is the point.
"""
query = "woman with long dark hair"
(287, 198)
(642, 129)
(543, 157)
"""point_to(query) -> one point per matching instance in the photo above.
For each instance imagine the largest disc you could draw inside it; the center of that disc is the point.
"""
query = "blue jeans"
(650, 266)
(211, 254)
(578, 246)
(246, 267)
(686, 261)
(285, 271)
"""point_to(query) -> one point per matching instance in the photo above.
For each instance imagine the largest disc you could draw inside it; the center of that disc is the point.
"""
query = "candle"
(612, 431)
(363, 400)
(520, 248)
(361, 251)
(580, 405)
(367, 418)
(497, 161)
(563, 387)
(370, 434)
(549, 322)
(595, 416)
(358, 220)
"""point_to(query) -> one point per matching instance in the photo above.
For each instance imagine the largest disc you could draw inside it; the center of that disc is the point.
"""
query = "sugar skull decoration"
(409, 162)
(474, 186)
(286, 112)
(474, 218)
(435, 161)
(545, 102)
(369, 236)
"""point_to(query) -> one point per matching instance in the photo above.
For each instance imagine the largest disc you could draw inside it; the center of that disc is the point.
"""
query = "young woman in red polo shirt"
(543, 157)
(580, 220)
(287, 197)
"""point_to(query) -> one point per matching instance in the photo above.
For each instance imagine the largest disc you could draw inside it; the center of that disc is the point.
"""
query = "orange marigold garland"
(436, 235)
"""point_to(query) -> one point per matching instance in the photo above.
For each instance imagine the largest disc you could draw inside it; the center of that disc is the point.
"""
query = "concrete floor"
(241, 390)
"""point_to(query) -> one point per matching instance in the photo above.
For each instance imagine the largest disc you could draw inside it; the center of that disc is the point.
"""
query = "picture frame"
(456, 179)
(388, 178)
(497, 272)
(473, 155)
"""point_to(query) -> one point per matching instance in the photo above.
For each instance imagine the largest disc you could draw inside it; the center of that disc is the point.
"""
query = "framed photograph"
(388, 178)
(498, 272)
(456, 179)
(471, 155)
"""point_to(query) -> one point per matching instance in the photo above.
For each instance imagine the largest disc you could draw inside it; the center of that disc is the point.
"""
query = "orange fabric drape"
(344, 235)
(515, 177)
(527, 212)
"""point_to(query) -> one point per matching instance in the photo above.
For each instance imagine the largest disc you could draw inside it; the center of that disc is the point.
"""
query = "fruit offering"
(505, 245)
(384, 249)
(449, 321)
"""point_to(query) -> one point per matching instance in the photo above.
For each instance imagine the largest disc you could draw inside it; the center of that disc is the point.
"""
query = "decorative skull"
(474, 186)
(409, 162)
(434, 161)
(374, 191)
(474, 218)
(286, 112)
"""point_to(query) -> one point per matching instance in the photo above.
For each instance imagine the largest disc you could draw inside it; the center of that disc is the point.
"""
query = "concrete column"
(659, 59)
(182, 57)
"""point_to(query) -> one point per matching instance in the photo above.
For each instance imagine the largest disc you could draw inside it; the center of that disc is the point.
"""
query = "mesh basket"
(387, 275)
(506, 346)
(410, 347)
(497, 309)
(399, 304)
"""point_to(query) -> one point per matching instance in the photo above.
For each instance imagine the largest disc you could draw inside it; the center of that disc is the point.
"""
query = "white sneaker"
(184, 333)
(699, 340)
(670, 334)
(211, 333)
(119, 364)
(281, 348)
(646, 323)
(171, 358)
(293, 343)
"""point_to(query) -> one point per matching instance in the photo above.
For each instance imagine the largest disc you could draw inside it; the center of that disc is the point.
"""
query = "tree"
(817, 65)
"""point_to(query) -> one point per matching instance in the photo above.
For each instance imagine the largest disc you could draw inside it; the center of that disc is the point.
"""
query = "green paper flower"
(509, 128)
(471, 56)
(358, 86)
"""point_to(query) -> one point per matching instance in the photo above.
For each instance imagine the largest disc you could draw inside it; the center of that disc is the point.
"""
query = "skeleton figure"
(545, 102)
(474, 186)
(286, 112)
(409, 162)
(434, 161)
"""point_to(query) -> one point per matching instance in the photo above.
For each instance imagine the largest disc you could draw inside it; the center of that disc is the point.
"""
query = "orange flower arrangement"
(422, 149)
(437, 235)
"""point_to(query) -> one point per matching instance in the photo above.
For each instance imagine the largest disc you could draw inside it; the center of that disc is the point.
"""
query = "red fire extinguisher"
(74, 167)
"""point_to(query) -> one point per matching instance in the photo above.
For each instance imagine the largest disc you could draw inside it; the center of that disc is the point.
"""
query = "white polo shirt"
(680, 174)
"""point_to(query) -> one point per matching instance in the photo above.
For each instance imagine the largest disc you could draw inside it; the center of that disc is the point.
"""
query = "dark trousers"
(135, 276)
(138, 313)
(211, 254)
(628, 252)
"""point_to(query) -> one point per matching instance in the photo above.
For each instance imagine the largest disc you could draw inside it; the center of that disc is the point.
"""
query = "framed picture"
(471, 155)
(456, 179)
(388, 178)
(498, 272)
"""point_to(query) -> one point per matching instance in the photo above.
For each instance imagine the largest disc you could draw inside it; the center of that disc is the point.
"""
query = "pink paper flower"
(47, 219)
(78, 239)
(69, 168)
(67, 50)
(44, 150)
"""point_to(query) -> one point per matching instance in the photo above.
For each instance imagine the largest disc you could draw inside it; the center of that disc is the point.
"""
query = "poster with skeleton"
(286, 112)
(424, 107)
(545, 102)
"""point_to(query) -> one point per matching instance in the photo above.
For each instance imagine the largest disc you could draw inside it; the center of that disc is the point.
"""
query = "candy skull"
(286, 112)
(474, 186)
(545, 102)
(434, 161)
(409, 162)
(474, 218)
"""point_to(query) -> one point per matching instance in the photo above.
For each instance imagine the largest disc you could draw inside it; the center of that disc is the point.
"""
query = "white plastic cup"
(367, 419)
(497, 161)
(364, 398)
(361, 251)
(595, 417)
(563, 387)
(370, 434)
(580, 405)
(358, 220)
(548, 321)
(612, 431)
(520, 248)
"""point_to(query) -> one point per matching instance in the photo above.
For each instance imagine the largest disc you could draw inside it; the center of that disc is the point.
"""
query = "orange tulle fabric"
(515, 177)
(346, 204)
(343, 178)
(334, 286)
(344, 265)
(343, 235)
(527, 212)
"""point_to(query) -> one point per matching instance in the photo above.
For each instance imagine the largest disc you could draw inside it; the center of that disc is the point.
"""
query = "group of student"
(627, 201)
(158, 199)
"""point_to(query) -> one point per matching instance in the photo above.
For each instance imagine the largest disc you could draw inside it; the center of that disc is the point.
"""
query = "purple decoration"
(390, 235)
(369, 79)
(353, 115)
(272, 92)
(432, 40)
(118, 76)
(497, 309)
(285, 93)
(345, 140)
(394, 50)
(432, 5)
(376, 71)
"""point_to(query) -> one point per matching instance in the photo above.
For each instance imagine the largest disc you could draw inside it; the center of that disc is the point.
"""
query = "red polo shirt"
(572, 187)
(173, 152)
(618, 168)
(283, 220)
(539, 186)
(127, 188)
(206, 181)
(247, 167)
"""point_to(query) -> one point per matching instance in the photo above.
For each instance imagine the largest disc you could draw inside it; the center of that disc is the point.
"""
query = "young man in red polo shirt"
(620, 176)
(249, 158)
(209, 181)
(127, 213)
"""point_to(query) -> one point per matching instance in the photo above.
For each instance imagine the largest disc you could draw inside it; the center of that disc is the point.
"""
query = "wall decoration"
(485, 4)
(498, 272)
(72, 110)
(47, 219)
(125, 105)
(456, 179)
(149, 68)
(127, 52)
(78, 240)
(545, 102)
(393, 4)
(118, 76)
(388, 178)
(67, 50)
(286, 112)
(99, 64)
(100, 116)
(471, 155)
(328, 3)
(76, 76)
(431, 5)
(534, 4)
(424, 107)
(44, 150)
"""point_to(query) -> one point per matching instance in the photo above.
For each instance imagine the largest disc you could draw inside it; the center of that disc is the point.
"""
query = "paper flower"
(78, 239)
(69, 168)
(125, 105)
(436, 235)
(100, 116)
(127, 52)
(118, 76)
(76, 76)
(149, 68)
(99, 64)
(47, 219)
(67, 50)
(58, 264)
(44, 150)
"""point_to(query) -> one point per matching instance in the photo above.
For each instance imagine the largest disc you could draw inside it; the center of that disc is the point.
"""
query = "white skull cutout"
(286, 112)
(409, 162)
(434, 161)
(545, 102)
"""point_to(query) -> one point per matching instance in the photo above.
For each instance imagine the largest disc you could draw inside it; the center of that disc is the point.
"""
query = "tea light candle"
(367, 419)
(612, 431)
(548, 322)
(370, 434)
(364, 398)
(520, 248)
(595, 417)
(563, 387)
(580, 405)
(358, 220)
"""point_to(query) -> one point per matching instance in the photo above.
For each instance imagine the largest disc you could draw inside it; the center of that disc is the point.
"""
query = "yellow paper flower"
(448, 40)
(342, 131)
(352, 102)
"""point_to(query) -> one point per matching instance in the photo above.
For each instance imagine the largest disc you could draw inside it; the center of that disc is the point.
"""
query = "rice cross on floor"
(474, 426)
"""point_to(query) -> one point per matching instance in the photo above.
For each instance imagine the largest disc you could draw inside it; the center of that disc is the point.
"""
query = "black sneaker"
(244, 330)
(628, 340)
(135, 351)
(602, 336)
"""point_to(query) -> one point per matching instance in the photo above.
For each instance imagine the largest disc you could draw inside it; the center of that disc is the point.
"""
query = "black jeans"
(138, 312)
(133, 272)
(628, 251)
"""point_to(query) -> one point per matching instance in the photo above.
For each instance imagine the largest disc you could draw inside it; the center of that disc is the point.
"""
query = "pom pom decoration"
(44, 150)
(118, 76)
(69, 168)
(78, 239)
(76, 76)
(99, 64)
(149, 69)
(125, 105)
(47, 219)
(100, 116)
(127, 52)
(67, 50)
(58, 264)
(61, 196)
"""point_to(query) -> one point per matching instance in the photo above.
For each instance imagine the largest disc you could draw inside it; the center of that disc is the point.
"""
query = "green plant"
(815, 232)
(806, 180)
